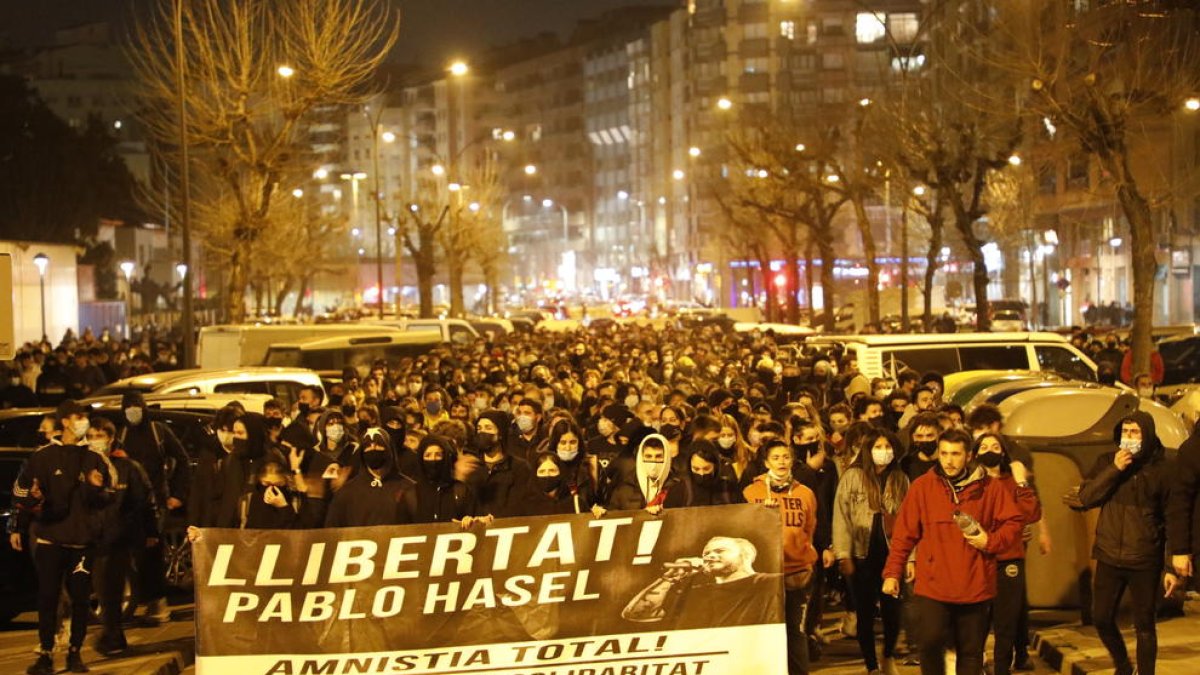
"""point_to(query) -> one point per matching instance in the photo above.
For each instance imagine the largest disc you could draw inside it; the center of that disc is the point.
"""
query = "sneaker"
(157, 612)
(850, 625)
(911, 660)
(888, 666)
(43, 666)
(1022, 663)
(75, 661)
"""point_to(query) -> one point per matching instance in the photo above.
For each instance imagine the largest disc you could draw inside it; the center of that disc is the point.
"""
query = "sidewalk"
(1072, 649)
(163, 650)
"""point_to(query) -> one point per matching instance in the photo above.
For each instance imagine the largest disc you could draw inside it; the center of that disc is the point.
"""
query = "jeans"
(795, 605)
(1110, 585)
(1007, 609)
(867, 582)
(54, 563)
(963, 626)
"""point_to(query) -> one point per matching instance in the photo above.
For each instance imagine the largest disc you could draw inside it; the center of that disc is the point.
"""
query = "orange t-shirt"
(798, 507)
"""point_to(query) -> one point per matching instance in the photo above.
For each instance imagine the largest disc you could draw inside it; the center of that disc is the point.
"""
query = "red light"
(781, 280)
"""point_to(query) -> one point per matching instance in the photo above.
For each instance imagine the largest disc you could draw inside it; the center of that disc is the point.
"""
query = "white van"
(330, 356)
(887, 355)
(458, 331)
(281, 383)
(234, 346)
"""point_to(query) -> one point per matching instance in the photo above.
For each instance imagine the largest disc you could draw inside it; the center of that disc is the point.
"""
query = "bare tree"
(243, 108)
(1109, 76)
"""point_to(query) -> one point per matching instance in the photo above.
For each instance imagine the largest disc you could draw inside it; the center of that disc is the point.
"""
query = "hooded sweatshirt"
(948, 568)
(372, 498)
(637, 489)
(798, 508)
(435, 496)
(1131, 529)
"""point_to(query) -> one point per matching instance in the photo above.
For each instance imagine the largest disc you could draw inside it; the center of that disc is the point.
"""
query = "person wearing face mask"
(375, 494)
(816, 470)
(434, 409)
(17, 394)
(1131, 487)
(958, 519)
(549, 494)
(526, 435)
(152, 444)
(1011, 605)
(274, 503)
(736, 455)
(238, 477)
(436, 495)
(778, 488)
(206, 489)
(864, 511)
(706, 484)
(319, 464)
(504, 481)
(60, 493)
(130, 523)
(922, 446)
(646, 481)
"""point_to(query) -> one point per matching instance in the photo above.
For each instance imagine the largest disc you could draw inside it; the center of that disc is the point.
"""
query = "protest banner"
(687, 592)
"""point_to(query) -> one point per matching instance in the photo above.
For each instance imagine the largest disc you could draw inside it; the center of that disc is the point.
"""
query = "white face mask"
(134, 415)
(525, 423)
(653, 469)
(1132, 445)
(99, 445)
(726, 442)
(334, 432)
(225, 438)
(882, 456)
(80, 428)
(631, 400)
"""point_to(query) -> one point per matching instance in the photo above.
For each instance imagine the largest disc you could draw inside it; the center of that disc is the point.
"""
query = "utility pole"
(189, 343)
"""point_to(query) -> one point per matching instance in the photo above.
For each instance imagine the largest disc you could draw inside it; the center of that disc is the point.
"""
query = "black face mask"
(273, 423)
(926, 448)
(301, 411)
(375, 459)
(484, 441)
(548, 484)
(808, 449)
(241, 446)
(434, 469)
(670, 431)
(738, 393)
(790, 383)
(706, 481)
(990, 460)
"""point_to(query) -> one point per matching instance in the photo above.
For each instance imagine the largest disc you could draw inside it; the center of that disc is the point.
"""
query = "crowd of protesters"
(894, 503)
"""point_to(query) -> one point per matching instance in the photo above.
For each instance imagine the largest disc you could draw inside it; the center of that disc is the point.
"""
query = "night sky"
(432, 31)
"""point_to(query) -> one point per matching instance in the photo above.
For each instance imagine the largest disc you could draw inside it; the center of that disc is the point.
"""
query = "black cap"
(133, 399)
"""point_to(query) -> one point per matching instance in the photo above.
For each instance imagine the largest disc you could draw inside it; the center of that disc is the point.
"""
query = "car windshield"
(122, 389)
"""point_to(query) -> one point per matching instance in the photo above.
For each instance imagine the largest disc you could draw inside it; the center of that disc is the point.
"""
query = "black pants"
(148, 580)
(942, 624)
(795, 604)
(867, 582)
(816, 599)
(1007, 610)
(1110, 585)
(54, 564)
(112, 568)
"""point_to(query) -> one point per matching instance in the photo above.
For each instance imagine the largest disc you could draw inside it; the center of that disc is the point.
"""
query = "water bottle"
(968, 525)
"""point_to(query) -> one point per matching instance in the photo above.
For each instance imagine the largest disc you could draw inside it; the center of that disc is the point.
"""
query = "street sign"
(8, 348)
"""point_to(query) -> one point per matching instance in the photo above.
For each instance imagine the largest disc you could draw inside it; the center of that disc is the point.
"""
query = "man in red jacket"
(953, 522)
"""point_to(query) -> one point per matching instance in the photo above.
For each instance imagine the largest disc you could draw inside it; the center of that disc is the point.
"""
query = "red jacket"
(948, 568)
(1031, 512)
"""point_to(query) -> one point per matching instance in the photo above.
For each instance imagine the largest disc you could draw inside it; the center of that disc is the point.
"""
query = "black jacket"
(369, 499)
(1131, 530)
(824, 484)
(70, 510)
(153, 445)
(132, 514)
(1183, 512)
(504, 487)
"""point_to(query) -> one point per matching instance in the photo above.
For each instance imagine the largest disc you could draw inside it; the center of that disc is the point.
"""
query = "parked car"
(330, 356)
(1008, 320)
(282, 383)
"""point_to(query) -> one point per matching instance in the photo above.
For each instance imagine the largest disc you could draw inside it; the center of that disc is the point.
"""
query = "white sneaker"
(850, 625)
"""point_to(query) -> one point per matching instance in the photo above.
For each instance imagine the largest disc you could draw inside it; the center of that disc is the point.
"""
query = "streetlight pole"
(189, 345)
(127, 268)
(42, 261)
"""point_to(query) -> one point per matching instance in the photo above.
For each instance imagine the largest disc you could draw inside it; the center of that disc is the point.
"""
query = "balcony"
(754, 47)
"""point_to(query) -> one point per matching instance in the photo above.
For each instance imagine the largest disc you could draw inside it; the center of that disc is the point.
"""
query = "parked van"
(281, 383)
(234, 346)
(887, 355)
(330, 356)
(458, 331)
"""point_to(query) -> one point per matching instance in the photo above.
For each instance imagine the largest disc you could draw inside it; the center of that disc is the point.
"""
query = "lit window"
(869, 27)
(903, 26)
(902, 64)
(787, 29)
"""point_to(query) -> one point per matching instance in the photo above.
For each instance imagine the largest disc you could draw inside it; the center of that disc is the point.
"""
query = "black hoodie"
(436, 497)
(1131, 529)
(372, 498)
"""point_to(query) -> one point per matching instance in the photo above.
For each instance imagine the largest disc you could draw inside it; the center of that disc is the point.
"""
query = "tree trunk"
(298, 310)
(931, 265)
(235, 292)
(808, 278)
(425, 271)
(792, 276)
(490, 278)
(1141, 236)
(825, 245)
(771, 310)
(868, 244)
(454, 265)
(281, 295)
(979, 276)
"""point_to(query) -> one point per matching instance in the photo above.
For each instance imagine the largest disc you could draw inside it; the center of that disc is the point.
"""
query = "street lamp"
(437, 170)
(285, 71)
(1192, 104)
(530, 169)
(127, 266)
(42, 261)
(724, 103)
(459, 68)
(181, 270)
